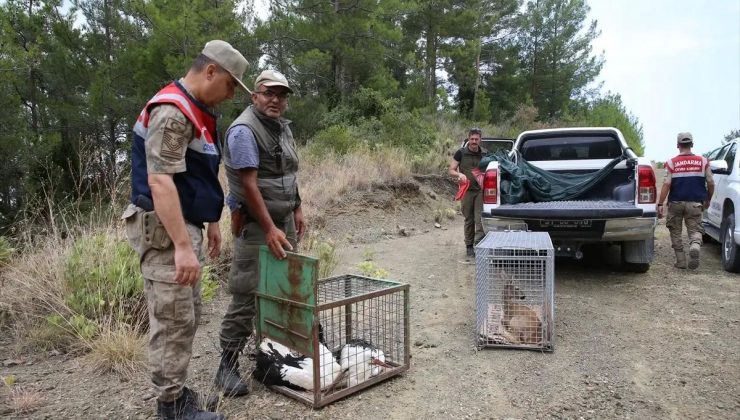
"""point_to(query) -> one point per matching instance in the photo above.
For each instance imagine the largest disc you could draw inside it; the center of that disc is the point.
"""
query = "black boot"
(228, 379)
(186, 407)
(469, 251)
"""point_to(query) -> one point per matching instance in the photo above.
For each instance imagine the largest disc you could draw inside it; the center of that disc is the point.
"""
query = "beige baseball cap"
(684, 138)
(228, 58)
(271, 78)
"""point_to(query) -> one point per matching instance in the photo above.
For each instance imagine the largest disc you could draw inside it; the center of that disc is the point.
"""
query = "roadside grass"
(25, 401)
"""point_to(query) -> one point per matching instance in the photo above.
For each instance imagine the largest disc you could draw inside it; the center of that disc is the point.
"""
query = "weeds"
(325, 251)
(118, 349)
(369, 269)
(22, 401)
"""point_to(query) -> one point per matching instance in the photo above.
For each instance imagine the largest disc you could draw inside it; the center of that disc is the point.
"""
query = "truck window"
(570, 147)
(730, 158)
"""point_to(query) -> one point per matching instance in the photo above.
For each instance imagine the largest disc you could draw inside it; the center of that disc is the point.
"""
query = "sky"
(676, 64)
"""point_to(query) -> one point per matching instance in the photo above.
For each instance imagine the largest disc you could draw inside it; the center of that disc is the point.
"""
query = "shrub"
(102, 279)
(335, 138)
(208, 284)
(118, 349)
(369, 269)
(6, 251)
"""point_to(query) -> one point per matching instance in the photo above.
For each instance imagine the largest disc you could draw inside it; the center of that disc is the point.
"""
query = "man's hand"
(461, 177)
(300, 222)
(706, 204)
(187, 267)
(659, 210)
(277, 242)
(214, 239)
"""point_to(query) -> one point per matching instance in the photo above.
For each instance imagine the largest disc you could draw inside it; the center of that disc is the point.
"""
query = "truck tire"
(637, 255)
(730, 250)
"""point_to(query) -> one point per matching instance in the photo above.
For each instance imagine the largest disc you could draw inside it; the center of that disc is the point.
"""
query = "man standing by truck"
(689, 187)
(463, 162)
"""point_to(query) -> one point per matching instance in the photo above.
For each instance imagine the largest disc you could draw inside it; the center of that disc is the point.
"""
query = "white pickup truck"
(721, 219)
(618, 209)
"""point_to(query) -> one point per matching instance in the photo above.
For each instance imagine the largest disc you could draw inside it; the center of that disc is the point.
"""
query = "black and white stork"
(361, 360)
(276, 364)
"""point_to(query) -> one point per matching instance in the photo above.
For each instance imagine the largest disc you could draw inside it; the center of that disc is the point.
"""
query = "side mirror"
(718, 166)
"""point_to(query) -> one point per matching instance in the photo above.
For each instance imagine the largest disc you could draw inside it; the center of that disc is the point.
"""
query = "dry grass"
(324, 179)
(24, 401)
(118, 349)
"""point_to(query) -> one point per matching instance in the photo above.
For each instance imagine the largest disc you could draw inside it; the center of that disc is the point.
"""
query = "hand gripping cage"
(515, 290)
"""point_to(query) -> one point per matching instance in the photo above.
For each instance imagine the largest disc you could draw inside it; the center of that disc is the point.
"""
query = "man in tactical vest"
(461, 166)
(174, 192)
(689, 187)
(261, 164)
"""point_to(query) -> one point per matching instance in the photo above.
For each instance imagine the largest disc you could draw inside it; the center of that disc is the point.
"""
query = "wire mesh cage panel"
(352, 331)
(515, 284)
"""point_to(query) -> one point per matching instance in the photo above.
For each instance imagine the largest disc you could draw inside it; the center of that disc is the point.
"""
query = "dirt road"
(665, 344)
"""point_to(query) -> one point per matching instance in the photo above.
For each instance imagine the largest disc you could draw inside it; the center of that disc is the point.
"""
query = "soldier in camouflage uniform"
(261, 164)
(175, 192)
(462, 164)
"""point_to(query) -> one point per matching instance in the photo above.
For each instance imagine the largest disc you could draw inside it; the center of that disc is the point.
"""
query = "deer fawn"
(520, 320)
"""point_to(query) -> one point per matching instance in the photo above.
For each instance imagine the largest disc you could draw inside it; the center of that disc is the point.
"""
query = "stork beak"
(378, 362)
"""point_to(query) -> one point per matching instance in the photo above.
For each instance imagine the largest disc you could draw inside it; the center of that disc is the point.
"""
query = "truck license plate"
(566, 224)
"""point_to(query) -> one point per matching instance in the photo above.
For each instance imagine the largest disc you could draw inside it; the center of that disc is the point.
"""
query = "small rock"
(12, 362)
(437, 225)
(54, 353)
(444, 296)
(195, 356)
(432, 194)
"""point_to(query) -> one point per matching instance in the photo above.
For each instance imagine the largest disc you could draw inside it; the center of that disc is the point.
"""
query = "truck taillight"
(646, 190)
(490, 186)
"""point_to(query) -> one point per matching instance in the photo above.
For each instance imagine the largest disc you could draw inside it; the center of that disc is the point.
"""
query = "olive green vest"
(278, 164)
(468, 161)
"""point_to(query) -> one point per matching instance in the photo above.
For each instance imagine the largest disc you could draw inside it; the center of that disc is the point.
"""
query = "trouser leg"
(468, 211)
(477, 210)
(693, 222)
(237, 324)
(172, 325)
(674, 223)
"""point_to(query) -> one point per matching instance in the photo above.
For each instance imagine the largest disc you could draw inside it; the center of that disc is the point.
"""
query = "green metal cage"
(296, 308)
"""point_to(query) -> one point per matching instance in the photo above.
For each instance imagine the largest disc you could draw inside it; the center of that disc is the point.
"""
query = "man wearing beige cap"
(261, 165)
(689, 187)
(175, 193)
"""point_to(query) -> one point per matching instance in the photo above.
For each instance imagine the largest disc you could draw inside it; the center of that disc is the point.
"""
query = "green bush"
(103, 280)
(337, 138)
(208, 284)
(6, 251)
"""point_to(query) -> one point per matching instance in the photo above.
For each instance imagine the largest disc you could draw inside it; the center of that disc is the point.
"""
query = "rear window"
(570, 147)
(495, 145)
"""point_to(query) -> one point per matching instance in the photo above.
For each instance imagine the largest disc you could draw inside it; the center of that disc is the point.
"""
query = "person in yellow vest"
(261, 169)
(175, 194)
(463, 162)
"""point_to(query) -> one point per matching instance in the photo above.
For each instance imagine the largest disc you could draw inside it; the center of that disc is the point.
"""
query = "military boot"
(680, 259)
(694, 250)
(186, 407)
(469, 251)
(228, 379)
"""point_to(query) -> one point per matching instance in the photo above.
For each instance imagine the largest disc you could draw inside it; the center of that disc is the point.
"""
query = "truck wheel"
(730, 250)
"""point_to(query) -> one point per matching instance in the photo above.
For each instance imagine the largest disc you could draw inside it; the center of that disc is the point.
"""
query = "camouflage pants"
(236, 326)
(472, 206)
(174, 310)
(680, 212)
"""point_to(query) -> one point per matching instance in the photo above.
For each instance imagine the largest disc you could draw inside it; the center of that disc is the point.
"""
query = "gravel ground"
(665, 344)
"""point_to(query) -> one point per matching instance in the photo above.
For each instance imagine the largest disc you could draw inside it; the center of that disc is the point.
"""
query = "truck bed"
(568, 210)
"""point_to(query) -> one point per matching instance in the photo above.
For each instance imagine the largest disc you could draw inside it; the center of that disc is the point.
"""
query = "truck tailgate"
(567, 210)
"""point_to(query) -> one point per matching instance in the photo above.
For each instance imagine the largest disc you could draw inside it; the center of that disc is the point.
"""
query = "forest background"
(369, 74)
(385, 90)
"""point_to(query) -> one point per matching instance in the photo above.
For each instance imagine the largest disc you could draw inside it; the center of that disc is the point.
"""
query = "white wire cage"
(515, 284)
